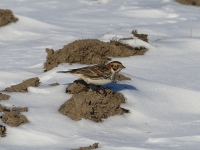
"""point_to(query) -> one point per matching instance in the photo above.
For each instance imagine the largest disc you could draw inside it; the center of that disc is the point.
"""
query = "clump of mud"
(9, 109)
(143, 37)
(1, 108)
(2, 131)
(89, 51)
(22, 87)
(54, 84)
(77, 86)
(91, 147)
(4, 96)
(189, 2)
(13, 118)
(6, 17)
(94, 105)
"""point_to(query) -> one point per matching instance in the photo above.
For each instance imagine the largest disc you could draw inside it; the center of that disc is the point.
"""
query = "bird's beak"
(123, 67)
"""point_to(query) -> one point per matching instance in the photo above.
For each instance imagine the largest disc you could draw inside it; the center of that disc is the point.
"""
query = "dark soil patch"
(54, 84)
(89, 51)
(143, 37)
(94, 105)
(4, 96)
(7, 109)
(22, 87)
(189, 2)
(1, 108)
(91, 147)
(77, 86)
(6, 17)
(13, 118)
(2, 131)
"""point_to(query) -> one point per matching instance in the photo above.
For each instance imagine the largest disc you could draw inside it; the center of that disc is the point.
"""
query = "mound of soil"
(54, 84)
(77, 86)
(189, 2)
(94, 146)
(22, 87)
(94, 105)
(2, 131)
(4, 96)
(6, 17)
(143, 37)
(13, 118)
(89, 51)
(1, 108)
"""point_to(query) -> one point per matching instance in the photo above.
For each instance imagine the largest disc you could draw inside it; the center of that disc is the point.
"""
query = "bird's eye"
(111, 65)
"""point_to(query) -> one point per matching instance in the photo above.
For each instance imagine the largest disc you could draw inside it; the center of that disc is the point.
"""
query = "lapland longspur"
(98, 74)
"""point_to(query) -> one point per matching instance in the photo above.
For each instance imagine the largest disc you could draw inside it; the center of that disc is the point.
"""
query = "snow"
(163, 95)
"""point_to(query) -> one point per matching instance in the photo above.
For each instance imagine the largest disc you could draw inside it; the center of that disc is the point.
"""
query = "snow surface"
(164, 93)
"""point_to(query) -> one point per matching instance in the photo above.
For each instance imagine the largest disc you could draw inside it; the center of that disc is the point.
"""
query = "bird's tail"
(63, 71)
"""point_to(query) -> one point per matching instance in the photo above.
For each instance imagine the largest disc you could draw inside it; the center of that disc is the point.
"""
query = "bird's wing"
(92, 71)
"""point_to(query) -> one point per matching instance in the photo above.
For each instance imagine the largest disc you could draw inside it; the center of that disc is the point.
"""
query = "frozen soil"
(91, 147)
(2, 131)
(89, 51)
(4, 96)
(189, 2)
(143, 37)
(12, 116)
(94, 105)
(6, 17)
(22, 87)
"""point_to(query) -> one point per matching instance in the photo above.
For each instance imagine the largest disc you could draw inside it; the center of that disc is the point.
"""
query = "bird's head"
(115, 66)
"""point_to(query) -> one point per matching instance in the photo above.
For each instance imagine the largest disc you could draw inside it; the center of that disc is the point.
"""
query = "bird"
(98, 75)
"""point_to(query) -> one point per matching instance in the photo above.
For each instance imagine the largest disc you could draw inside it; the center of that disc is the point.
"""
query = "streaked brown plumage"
(98, 74)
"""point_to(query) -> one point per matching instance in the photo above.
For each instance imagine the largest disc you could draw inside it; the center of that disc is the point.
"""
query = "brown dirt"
(91, 147)
(1, 108)
(22, 87)
(54, 84)
(89, 51)
(77, 86)
(4, 96)
(7, 109)
(189, 2)
(2, 131)
(93, 105)
(143, 37)
(13, 118)
(6, 17)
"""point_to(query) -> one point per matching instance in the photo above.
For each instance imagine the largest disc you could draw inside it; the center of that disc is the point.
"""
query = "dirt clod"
(6, 17)
(189, 2)
(22, 87)
(13, 118)
(54, 84)
(143, 37)
(94, 105)
(4, 96)
(91, 147)
(9, 109)
(1, 108)
(77, 86)
(2, 131)
(89, 51)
